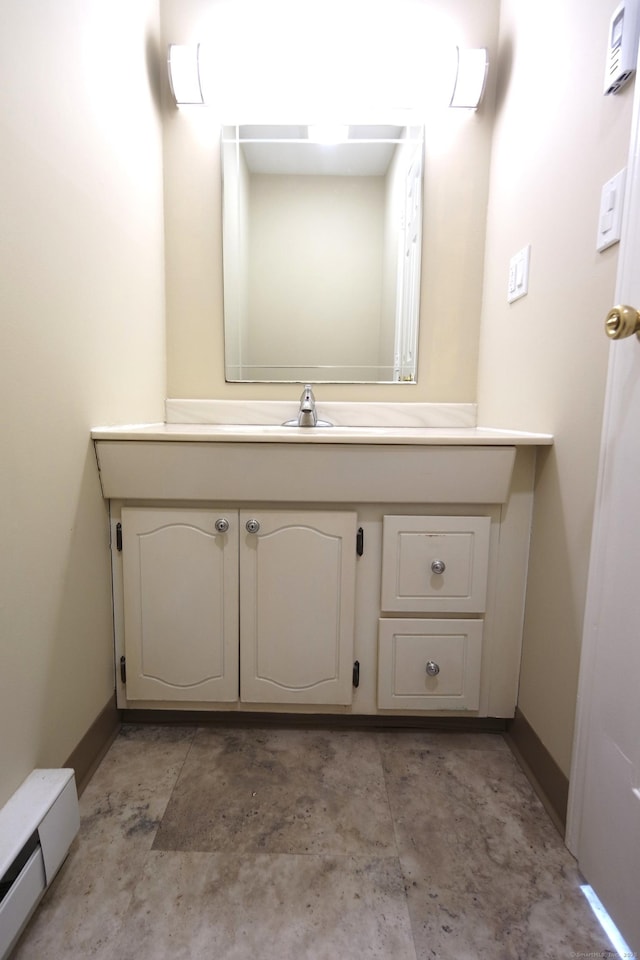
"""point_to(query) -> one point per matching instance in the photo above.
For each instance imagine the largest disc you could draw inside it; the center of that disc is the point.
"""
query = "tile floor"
(307, 844)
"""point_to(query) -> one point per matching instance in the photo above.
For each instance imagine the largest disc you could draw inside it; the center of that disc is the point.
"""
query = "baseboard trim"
(94, 744)
(327, 720)
(547, 779)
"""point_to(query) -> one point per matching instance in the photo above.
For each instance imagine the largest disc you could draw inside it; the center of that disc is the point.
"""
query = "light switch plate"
(610, 216)
(518, 284)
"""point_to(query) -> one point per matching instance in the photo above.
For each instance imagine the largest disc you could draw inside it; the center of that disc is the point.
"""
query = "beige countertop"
(259, 433)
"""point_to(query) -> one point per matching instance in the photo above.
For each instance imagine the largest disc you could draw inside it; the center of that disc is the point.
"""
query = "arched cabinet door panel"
(180, 578)
(297, 584)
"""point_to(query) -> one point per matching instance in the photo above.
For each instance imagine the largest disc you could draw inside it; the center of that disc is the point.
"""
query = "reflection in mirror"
(321, 243)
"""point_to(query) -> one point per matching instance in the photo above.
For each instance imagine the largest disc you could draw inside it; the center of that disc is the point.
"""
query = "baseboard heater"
(37, 825)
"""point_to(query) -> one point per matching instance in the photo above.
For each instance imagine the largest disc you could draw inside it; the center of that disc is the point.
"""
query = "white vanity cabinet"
(286, 616)
(223, 605)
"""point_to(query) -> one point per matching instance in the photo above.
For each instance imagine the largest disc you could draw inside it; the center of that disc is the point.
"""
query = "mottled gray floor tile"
(142, 757)
(120, 811)
(510, 922)
(195, 906)
(471, 812)
(412, 742)
(487, 873)
(280, 791)
(308, 844)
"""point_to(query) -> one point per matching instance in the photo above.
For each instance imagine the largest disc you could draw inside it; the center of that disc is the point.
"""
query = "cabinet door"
(180, 604)
(297, 583)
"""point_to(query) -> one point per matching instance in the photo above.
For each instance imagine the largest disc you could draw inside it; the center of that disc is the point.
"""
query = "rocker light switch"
(519, 274)
(610, 218)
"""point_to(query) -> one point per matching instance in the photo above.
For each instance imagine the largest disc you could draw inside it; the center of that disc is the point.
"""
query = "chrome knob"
(432, 668)
(221, 525)
(252, 526)
(438, 566)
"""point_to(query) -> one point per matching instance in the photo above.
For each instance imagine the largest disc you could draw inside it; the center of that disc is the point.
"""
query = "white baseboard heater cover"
(37, 826)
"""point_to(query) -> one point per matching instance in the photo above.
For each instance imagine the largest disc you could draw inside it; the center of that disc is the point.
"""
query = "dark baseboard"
(95, 743)
(547, 779)
(342, 721)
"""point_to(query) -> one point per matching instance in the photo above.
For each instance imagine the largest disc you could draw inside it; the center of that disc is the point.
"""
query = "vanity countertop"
(260, 433)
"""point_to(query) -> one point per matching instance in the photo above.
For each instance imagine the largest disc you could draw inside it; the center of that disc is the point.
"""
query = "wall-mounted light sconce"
(471, 78)
(184, 73)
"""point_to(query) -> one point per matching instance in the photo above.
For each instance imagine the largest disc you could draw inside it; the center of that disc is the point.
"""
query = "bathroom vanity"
(350, 570)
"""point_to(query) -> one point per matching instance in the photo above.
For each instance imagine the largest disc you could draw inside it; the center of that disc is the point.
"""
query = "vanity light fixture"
(184, 73)
(471, 78)
(184, 64)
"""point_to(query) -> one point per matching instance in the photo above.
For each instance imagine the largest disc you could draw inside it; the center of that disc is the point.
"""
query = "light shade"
(328, 132)
(184, 73)
(471, 77)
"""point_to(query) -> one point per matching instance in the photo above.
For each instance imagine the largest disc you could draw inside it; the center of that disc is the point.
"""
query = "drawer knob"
(221, 525)
(252, 526)
(438, 566)
(432, 668)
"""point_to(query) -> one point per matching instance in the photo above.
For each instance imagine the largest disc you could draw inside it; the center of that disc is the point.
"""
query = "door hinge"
(356, 673)
(123, 669)
(360, 542)
(118, 537)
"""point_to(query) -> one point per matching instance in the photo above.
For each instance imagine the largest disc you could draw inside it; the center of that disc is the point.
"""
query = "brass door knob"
(622, 321)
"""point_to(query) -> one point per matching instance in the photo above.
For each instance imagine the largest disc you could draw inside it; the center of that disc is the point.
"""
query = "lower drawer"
(429, 664)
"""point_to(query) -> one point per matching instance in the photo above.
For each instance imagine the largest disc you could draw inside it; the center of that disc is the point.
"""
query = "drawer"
(435, 564)
(429, 664)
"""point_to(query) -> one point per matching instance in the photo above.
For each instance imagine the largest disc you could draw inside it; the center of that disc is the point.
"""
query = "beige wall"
(456, 184)
(543, 359)
(81, 343)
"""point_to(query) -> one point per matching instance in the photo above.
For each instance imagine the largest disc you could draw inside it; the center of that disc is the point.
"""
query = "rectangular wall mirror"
(322, 236)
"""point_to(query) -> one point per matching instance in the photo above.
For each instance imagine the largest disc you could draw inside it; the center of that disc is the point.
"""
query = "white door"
(604, 806)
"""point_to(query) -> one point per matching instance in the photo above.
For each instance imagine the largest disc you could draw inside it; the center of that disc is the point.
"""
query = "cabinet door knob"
(222, 525)
(432, 668)
(252, 526)
(438, 566)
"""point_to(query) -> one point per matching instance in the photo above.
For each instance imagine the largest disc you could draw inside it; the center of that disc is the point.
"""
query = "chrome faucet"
(307, 416)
